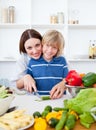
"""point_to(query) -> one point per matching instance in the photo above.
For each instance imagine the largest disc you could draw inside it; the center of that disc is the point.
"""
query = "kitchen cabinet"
(36, 14)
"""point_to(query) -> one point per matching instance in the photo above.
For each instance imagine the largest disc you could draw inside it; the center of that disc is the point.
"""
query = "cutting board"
(77, 127)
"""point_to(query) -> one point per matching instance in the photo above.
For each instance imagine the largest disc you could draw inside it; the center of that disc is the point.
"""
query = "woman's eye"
(29, 48)
(37, 45)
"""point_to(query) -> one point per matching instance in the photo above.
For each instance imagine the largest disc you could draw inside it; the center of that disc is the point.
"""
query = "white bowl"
(5, 103)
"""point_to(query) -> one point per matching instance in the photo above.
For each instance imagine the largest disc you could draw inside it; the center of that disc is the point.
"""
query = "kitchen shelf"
(8, 59)
(81, 60)
(14, 25)
(83, 26)
(50, 26)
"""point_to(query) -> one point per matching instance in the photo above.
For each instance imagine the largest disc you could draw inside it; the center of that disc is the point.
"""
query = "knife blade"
(37, 94)
(12, 109)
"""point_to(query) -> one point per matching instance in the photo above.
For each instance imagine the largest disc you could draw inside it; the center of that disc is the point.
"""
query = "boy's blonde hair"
(54, 38)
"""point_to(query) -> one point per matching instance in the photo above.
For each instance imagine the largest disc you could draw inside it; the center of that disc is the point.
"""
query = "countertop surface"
(30, 102)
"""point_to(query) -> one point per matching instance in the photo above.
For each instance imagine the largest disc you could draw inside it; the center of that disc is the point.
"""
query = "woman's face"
(33, 48)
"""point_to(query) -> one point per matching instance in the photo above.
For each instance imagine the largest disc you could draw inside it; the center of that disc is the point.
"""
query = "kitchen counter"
(29, 103)
(77, 127)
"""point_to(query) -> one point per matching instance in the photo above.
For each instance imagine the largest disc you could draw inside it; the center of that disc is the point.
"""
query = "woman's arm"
(26, 82)
(21, 79)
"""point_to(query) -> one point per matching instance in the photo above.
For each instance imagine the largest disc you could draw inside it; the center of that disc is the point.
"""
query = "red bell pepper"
(73, 78)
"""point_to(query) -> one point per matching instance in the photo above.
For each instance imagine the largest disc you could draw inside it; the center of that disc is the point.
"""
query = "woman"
(29, 46)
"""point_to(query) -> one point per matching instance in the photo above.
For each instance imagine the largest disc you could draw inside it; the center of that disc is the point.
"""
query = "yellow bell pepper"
(40, 124)
(53, 114)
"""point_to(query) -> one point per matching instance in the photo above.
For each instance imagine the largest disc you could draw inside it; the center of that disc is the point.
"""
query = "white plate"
(24, 128)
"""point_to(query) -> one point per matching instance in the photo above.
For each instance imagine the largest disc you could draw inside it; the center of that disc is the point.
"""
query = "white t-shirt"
(21, 67)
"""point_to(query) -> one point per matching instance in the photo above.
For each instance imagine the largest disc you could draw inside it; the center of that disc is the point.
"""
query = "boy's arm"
(58, 90)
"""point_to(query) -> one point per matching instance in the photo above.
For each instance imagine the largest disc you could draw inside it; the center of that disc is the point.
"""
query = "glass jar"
(11, 13)
(4, 15)
(53, 19)
(60, 17)
(75, 15)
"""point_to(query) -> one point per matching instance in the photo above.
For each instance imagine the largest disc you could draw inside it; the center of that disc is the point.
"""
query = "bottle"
(91, 50)
(94, 55)
(11, 11)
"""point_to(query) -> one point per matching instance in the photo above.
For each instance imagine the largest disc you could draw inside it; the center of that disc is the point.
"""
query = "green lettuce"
(86, 119)
(83, 102)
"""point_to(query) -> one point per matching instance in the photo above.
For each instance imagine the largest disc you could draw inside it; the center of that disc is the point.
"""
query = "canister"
(60, 17)
(53, 19)
(11, 14)
(4, 15)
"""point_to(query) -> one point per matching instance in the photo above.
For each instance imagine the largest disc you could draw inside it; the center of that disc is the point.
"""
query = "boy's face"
(49, 51)
(33, 48)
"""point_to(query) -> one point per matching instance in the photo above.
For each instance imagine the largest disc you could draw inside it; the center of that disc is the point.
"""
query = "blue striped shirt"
(47, 74)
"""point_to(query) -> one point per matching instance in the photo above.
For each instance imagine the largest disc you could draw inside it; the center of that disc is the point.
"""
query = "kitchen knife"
(37, 94)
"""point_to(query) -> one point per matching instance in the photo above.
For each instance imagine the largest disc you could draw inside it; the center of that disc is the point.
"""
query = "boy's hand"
(58, 90)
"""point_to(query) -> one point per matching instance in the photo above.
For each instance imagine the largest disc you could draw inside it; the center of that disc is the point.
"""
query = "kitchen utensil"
(37, 94)
(12, 109)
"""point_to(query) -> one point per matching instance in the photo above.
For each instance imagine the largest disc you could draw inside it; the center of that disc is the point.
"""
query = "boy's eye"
(47, 45)
(55, 47)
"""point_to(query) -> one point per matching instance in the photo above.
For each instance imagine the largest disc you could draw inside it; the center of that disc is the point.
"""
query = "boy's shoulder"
(60, 58)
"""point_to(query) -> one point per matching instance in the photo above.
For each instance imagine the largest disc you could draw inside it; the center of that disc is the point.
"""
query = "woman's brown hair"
(27, 34)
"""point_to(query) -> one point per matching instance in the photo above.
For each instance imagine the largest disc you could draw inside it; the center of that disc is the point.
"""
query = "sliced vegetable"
(4, 92)
(45, 98)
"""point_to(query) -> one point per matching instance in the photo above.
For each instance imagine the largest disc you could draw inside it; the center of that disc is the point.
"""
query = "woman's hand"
(29, 83)
(58, 90)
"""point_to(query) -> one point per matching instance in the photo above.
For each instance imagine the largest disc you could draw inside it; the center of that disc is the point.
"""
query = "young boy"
(51, 68)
